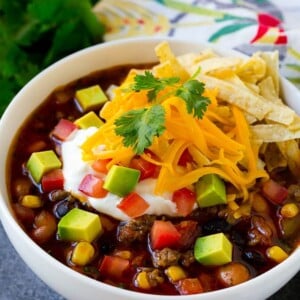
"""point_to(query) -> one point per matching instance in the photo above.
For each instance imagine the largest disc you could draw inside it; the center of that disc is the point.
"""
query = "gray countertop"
(18, 282)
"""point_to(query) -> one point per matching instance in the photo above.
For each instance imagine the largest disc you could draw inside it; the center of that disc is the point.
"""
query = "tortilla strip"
(217, 63)
(166, 56)
(255, 105)
(272, 63)
(290, 151)
(268, 91)
(269, 133)
(252, 69)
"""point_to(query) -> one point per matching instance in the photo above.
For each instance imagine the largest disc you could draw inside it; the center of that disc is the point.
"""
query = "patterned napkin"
(247, 26)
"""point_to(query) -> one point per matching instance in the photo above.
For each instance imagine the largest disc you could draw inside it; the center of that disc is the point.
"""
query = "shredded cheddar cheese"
(213, 149)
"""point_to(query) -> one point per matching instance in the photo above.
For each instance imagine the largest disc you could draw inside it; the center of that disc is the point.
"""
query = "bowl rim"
(10, 223)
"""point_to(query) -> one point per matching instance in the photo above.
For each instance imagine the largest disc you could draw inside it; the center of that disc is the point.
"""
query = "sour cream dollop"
(75, 169)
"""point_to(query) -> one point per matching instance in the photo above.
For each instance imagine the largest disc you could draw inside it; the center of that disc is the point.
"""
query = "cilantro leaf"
(138, 127)
(152, 84)
(191, 92)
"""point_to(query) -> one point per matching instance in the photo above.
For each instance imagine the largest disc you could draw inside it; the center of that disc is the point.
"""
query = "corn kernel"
(175, 273)
(277, 254)
(82, 253)
(32, 201)
(259, 204)
(126, 254)
(289, 210)
(142, 280)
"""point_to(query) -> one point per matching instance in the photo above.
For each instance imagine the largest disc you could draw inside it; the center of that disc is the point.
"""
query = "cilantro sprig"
(152, 84)
(138, 127)
(191, 92)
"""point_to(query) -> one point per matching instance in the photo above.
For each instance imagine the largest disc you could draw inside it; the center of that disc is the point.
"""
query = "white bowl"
(62, 279)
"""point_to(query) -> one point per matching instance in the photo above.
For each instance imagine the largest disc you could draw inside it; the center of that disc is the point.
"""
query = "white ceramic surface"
(65, 281)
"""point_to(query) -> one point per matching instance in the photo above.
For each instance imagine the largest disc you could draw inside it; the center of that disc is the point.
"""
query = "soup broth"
(124, 255)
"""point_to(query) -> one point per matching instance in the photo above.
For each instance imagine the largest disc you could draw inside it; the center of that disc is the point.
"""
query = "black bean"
(238, 238)
(253, 257)
(106, 247)
(63, 207)
(215, 226)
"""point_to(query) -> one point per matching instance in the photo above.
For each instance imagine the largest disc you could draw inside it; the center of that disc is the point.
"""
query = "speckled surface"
(17, 281)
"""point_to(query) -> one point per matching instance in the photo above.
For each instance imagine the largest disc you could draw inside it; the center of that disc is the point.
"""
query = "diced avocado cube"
(79, 225)
(210, 191)
(90, 98)
(213, 250)
(121, 180)
(89, 120)
(42, 162)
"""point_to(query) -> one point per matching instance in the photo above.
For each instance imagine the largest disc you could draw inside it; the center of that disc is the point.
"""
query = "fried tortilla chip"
(270, 133)
(169, 63)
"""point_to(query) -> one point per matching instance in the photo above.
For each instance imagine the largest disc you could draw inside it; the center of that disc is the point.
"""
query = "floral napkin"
(245, 25)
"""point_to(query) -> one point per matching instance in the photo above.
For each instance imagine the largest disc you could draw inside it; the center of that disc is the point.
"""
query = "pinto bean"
(45, 227)
(260, 233)
(232, 274)
(24, 214)
(21, 187)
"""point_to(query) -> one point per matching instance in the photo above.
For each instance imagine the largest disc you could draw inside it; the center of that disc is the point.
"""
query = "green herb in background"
(36, 33)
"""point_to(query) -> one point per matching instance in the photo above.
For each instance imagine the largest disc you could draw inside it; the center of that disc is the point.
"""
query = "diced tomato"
(63, 129)
(92, 185)
(164, 234)
(147, 169)
(274, 192)
(185, 200)
(133, 205)
(185, 158)
(100, 165)
(208, 281)
(189, 286)
(53, 180)
(113, 266)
